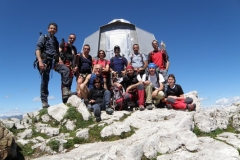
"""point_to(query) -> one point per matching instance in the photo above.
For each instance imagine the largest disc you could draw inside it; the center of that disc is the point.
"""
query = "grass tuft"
(54, 144)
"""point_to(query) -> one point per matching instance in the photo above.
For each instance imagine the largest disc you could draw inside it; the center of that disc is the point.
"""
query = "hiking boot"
(90, 108)
(109, 111)
(98, 119)
(45, 105)
(97, 112)
(141, 108)
(130, 109)
(169, 106)
(149, 106)
(191, 107)
(66, 93)
(161, 105)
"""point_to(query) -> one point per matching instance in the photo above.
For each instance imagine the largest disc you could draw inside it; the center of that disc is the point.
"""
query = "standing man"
(84, 61)
(47, 53)
(160, 58)
(138, 60)
(68, 54)
(118, 62)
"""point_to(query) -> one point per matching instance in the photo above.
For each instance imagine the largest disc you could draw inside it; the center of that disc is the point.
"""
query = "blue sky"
(202, 39)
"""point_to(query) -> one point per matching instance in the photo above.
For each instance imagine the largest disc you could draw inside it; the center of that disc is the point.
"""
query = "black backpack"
(42, 49)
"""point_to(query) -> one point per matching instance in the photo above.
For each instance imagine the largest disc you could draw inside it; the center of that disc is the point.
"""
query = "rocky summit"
(69, 132)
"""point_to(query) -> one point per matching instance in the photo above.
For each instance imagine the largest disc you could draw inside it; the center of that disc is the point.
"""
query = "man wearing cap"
(160, 58)
(153, 82)
(118, 62)
(134, 88)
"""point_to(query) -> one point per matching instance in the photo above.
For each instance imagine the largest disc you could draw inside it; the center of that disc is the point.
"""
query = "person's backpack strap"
(157, 74)
(150, 57)
(132, 58)
(111, 62)
(141, 57)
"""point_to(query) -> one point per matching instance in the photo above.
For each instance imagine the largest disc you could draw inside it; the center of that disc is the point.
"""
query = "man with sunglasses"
(67, 56)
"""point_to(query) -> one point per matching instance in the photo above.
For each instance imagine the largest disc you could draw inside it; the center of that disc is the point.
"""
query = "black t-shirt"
(85, 64)
(176, 91)
(127, 81)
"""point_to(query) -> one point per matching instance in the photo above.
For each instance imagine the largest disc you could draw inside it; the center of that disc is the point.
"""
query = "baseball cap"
(116, 47)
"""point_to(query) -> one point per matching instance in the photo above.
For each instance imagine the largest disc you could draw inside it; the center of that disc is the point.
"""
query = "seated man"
(154, 86)
(83, 89)
(134, 88)
(99, 99)
(175, 96)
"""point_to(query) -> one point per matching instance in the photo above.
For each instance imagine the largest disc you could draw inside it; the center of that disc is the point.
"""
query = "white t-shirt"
(152, 79)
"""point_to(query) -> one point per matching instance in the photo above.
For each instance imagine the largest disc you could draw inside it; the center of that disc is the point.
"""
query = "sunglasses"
(87, 49)
(72, 38)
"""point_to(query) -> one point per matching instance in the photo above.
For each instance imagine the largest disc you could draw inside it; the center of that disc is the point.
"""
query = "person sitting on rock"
(175, 97)
(99, 99)
(87, 84)
(134, 88)
(154, 87)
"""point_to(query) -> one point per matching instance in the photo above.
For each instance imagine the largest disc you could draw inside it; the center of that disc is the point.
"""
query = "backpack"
(156, 74)
(35, 63)
(118, 101)
(66, 54)
(140, 56)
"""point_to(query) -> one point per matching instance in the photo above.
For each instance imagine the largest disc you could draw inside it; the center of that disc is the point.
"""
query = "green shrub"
(43, 111)
(73, 114)
(54, 144)
(26, 150)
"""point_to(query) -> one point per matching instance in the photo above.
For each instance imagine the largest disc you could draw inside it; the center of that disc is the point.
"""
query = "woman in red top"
(104, 63)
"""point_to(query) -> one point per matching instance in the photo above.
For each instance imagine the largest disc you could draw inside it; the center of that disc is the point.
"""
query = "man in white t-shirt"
(154, 87)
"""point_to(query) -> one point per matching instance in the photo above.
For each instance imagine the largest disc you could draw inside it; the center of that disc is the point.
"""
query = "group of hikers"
(117, 84)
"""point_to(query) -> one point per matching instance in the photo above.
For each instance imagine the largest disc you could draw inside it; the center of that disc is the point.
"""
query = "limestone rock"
(74, 100)
(211, 119)
(81, 108)
(8, 123)
(70, 125)
(116, 128)
(45, 118)
(58, 111)
(82, 133)
(25, 134)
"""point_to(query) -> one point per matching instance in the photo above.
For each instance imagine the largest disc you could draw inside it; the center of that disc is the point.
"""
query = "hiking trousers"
(65, 78)
(105, 102)
(148, 90)
(179, 103)
(136, 96)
